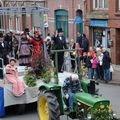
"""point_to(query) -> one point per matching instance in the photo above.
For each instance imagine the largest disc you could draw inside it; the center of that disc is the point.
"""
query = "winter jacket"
(106, 60)
(95, 62)
(70, 86)
(88, 62)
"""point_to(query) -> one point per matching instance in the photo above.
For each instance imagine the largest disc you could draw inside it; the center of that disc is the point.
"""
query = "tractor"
(51, 102)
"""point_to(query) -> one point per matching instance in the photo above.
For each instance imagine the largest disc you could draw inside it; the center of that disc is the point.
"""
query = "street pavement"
(110, 92)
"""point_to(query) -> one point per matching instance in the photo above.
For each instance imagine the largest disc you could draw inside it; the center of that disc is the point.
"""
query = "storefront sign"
(99, 23)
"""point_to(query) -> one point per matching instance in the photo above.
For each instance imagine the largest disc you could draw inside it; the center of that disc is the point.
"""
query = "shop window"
(100, 4)
(61, 20)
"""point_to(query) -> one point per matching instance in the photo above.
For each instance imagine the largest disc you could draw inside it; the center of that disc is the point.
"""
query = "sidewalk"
(115, 75)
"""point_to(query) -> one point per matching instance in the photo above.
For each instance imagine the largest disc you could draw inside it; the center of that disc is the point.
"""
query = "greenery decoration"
(30, 79)
(46, 75)
(102, 113)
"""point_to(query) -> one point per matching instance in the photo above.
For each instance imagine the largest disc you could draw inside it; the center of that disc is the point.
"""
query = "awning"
(78, 20)
(99, 23)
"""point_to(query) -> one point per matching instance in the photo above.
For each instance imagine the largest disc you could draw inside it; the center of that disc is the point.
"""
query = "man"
(8, 39)
(3, 54)
(106, 65)
(4, 50)
(79, 39)
(85, 43)
(60, 44)
(70, 87)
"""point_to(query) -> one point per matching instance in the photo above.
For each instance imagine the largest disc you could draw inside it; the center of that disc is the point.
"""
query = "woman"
(37, 50)
(24, 51)
(72, 54)
(18, 86)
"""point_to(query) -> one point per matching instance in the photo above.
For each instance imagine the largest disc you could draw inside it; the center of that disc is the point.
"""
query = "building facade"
(66, 15)
(18, 22)
(102, 25)
(114, 24)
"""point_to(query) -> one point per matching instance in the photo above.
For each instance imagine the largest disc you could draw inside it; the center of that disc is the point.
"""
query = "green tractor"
(87, 105)
(51, 104)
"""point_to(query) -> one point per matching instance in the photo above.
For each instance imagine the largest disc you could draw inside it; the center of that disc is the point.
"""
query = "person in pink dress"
(18, 86)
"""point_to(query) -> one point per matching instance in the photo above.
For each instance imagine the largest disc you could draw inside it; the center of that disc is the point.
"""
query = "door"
(61, 17)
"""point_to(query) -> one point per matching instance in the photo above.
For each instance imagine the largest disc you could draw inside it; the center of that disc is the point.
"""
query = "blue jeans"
(71, 100)
(89, 73)
(107, 74)
(94, 73)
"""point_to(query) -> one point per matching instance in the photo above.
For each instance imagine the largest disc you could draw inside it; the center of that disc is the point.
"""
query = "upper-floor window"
(118, 5)
(100, 4)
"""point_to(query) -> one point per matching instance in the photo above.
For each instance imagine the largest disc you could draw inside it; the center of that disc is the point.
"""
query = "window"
(17, 23)
(119, 5)
(100, 4)
(10, 23)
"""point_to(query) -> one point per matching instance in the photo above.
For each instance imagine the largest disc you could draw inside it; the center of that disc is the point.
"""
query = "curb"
(117, 84)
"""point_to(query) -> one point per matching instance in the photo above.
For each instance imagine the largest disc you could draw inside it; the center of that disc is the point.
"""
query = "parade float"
(88, 105)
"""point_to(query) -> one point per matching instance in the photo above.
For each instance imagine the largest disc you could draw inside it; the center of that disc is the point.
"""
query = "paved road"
(112, 93)
(108, 91)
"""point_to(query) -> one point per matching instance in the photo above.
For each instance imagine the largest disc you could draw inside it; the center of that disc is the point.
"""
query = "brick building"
(102, 25)
(18, 22)
(114, 24)
(63, 15)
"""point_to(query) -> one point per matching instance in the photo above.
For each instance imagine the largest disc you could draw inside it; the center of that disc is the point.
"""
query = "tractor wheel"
(48, 107)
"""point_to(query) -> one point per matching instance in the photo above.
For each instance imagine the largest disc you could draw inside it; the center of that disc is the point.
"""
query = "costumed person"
(59, 44)
(8, 38)
(70, 87)
(37, 50)
(18, 86)
(4, 54)
(4, 50)
(24, 53)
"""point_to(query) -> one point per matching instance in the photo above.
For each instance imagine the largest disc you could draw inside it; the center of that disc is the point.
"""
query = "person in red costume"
(37, 50)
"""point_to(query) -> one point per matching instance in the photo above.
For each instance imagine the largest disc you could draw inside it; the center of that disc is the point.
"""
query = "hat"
(26, 30)
(13, 59)
(74, 77)
(60, 30)
(1, 35)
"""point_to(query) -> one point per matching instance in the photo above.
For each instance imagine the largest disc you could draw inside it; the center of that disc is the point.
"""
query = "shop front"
(100, 33)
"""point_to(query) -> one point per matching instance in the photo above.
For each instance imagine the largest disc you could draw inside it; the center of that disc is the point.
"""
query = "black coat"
(106, 60)
(85, 44)
(88, 62)
(59, 44)
(4, 51)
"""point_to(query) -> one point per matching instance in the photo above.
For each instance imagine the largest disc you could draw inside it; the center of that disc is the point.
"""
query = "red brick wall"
(28, 21)
(114, 23)
(71, 7)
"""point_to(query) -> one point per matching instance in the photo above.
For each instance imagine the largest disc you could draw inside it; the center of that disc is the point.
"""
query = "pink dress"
(18, 86)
